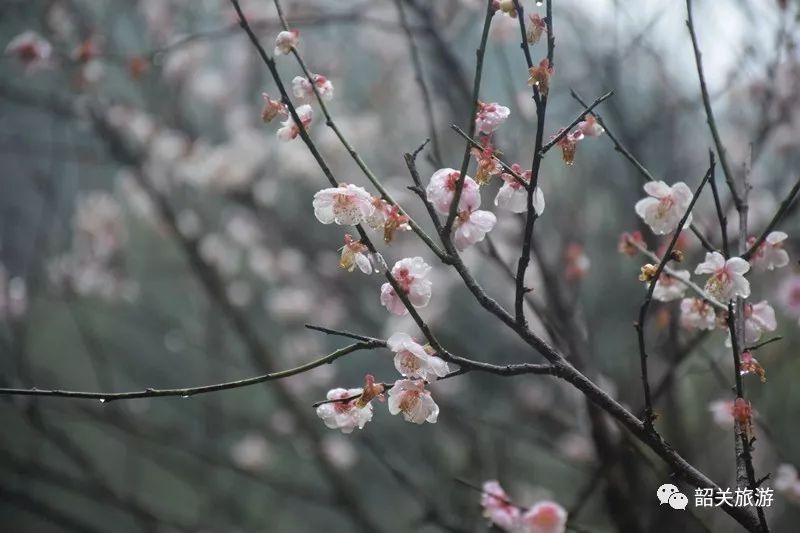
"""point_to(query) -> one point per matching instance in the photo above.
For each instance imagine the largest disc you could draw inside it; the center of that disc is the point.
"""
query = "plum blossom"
(441, 188)
(750, 365)
(490, 117)
(577, 262)
(590, 127)
(569, 145)
(345, 415)
(31, 49)
(665, 206)
(540, 76)
(727, 279)
(272, 108)
(471, 227)
(354, 253)
(787, 482)
(628, 241)
(289, 129)
(758, 318)
(544, 517)
(697, 313)
(410, 274)
(497, 507)
(668, 288)
(413, 360)
(486, 163)
(770, 254)
(789, 294)
(346, 205)
(303, 89)
(507, 7)
(743, 416)
(410, 398)
(514, 197)
(722, 413)
(389, 218)
(286, 41)
(536, 27)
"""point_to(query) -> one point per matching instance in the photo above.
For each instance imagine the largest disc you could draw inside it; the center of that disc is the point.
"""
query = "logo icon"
(669, 494)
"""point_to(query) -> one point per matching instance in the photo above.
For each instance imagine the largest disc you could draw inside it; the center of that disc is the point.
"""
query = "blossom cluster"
(543, 517)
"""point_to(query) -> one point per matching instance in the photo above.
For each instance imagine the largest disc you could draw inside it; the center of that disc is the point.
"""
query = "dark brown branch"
(784, 207)
(565, 131)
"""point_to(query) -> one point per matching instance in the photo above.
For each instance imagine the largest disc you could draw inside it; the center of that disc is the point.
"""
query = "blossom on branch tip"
(544, 517)
(31, 49)
(346, 205)
(628, 241)
(344, 415)
(289, 129)
(410, 275)
(413, 360)
(497, 507)
(303, 89)
(669, 287)
(490, 116)
(272, 108)
(697, 313)
(354, 253)
(286, 41)
(727, 279)
(536, 27)
(540, 76)
(665, 206)
(770, 254)
(442, 187)
(471, 227)
(410, 398)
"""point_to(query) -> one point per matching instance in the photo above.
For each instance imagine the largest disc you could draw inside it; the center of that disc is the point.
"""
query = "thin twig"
(580, 117)
(784, 207)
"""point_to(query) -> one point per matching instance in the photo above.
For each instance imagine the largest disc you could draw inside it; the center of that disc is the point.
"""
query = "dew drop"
(185, 396)
(102, 400)
(539, 3)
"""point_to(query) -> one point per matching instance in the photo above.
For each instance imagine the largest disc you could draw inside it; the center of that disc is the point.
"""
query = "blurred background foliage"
(99, 291)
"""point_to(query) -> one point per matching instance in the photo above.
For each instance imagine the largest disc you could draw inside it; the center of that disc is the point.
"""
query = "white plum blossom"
(346, 205)
(286, 41)
(514, 197)
(590, 127)
(412, 359)
(697, 313)
(544, 517)
(758, 318)
(354, 254)
(669, 287)
(490, 117)
(410, 398)
(303, 89)
(727, 279)
(289, 129)
(787, 482)
(441, 188)
(410, 274)
(344, 415)
(722, 413)
(471, 227)
(31, 49)
(497, 507)
(665, 206)
(770, 255)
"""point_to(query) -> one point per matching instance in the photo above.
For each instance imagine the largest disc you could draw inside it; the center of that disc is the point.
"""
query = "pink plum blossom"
(770, 255)
(722, 413)
(497, 507)
(696, 313)
(590, 127)
(354, 254)
(303, 89)
(544, 517)
(31, 49)
(787, 482)
(665, 206)
(669, 287)
(441, 188)
(471, 227)
(490, 117)
(410, 398)
(536, 27)
(344, 415)
(789, 294)
(413, 360)
(540, 76)
(410, 274)
(272, 108)
(486, 162)
(286, 41)
(758, 318)
(514, 197)
(389, 218)
(727, 279)
(346, 205)
(289, 129)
